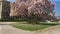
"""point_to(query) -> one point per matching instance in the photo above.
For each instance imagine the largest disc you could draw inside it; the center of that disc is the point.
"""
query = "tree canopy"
(33, 9)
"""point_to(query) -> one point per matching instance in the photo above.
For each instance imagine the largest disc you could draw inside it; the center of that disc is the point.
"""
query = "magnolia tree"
(32, 9)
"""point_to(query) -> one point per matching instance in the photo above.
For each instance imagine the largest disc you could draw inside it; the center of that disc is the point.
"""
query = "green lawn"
(31, 27)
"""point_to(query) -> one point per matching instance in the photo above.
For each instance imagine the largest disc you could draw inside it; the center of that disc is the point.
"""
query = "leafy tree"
(35, 10)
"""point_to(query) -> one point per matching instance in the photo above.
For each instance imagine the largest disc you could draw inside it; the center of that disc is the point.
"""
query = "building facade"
(4, 9)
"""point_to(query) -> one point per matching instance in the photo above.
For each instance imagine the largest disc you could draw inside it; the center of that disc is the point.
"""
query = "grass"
(31, 27)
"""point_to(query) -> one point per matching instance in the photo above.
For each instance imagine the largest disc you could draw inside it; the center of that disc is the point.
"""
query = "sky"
(57, 6)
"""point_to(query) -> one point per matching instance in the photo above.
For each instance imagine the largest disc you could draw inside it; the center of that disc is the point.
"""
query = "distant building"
(4, 9)
(58, 17)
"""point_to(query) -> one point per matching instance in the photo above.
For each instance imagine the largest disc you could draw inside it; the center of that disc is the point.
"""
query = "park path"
(51, 30)
(5, 28)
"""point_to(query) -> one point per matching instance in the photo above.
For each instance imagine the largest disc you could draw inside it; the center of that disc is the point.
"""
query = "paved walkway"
(52, 30)
(5, 28)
